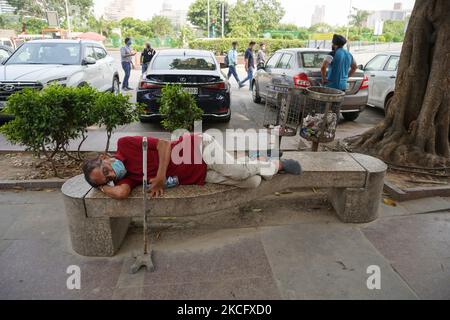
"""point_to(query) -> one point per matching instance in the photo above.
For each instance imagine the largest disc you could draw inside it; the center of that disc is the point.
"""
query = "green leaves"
(245, 18)
(112, 111)
(179, 108)
(45, 121)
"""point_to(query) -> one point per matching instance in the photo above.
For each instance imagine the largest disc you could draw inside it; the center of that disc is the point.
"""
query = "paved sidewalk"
(289, 250)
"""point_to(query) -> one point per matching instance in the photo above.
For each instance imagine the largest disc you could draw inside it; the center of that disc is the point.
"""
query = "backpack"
(226, 61)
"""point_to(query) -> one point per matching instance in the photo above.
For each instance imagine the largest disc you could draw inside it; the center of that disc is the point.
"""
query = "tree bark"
(415, 130)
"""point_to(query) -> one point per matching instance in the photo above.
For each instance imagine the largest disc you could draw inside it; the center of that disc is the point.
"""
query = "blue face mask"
(129, 43)
(119, 169)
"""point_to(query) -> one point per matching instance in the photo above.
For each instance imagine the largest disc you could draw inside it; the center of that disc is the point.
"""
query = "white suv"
(38, 63)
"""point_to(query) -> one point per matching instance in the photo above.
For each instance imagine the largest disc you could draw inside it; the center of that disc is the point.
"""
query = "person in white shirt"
(232, 62)
(261, 56)
(127, 54)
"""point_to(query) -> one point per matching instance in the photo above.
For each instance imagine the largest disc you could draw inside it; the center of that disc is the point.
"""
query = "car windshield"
(183, 63)
(46, 53)
(312, 59)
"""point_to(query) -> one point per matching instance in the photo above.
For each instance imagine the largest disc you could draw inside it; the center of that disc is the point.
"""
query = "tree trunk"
(108, 133)
(416, 127)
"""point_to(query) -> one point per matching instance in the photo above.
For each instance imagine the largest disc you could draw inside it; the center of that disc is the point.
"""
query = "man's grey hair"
(89, 166)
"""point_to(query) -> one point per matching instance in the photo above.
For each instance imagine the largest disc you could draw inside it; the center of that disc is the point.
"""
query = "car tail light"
(302, 81)
(364, 83)
(217, 86)
(223, 109)
(148, 85)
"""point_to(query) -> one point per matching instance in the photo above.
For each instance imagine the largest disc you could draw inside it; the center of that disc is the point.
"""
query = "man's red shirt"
(129, 151)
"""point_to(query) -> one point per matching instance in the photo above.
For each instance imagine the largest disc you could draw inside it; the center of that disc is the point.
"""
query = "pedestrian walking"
(127, 54)
(249, 65)
(146, 56)
(232, 62)
(261, 56)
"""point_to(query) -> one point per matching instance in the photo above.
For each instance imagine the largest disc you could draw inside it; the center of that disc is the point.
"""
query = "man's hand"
(157, 188)
(118, 192)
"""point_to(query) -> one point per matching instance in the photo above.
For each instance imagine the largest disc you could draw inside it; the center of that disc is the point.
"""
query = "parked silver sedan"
(382, 73)
(301, 68)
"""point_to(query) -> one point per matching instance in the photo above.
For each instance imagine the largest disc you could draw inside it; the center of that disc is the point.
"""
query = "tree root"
(396, 147)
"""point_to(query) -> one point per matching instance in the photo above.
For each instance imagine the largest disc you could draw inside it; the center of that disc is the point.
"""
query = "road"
(245, 115)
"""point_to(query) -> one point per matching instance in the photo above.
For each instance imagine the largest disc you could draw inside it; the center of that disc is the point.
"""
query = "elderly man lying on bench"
(194, 159)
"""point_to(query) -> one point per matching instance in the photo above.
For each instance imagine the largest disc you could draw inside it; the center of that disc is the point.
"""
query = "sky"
(298, 12)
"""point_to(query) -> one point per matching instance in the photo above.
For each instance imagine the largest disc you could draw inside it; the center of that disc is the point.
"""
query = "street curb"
(32, 184)
(399, 194)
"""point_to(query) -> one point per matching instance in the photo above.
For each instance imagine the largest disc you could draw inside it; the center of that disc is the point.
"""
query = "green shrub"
(113, 110)
(221, 46)
(46, 121)
(179, 108)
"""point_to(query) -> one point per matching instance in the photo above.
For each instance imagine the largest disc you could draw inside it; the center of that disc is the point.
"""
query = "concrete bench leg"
(361, 205)
(94, 237)
(355, 205)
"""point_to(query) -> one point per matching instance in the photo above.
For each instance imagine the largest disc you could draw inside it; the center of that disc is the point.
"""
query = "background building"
(318, 16)
(5, 7)
(119, 9)
(398, 14)
(177, 17)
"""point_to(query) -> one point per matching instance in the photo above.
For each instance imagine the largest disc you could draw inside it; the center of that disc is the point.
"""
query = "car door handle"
(283, 74)
(392, 77)
(372, 76)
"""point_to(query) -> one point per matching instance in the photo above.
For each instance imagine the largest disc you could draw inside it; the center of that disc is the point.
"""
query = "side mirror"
(2, 60)
(223, 65)
(88, 60)
(361, 67)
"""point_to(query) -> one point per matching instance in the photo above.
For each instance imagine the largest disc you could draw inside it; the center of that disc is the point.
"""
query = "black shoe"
(291, 166)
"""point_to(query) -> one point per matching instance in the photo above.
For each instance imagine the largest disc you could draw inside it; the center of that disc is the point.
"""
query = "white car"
(382, 73)
(38, 63)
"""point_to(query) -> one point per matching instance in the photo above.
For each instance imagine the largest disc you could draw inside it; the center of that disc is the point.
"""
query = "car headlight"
(59, 80)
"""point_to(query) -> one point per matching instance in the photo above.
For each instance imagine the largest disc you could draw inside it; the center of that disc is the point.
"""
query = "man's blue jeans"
(232, 72)
(249, 77)
(127, 68)
(144, 67)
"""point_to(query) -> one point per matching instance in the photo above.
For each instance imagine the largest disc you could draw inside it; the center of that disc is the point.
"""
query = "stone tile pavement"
(310, 255)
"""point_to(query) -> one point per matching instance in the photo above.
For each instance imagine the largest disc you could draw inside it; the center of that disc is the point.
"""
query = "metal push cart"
(282, 112)
(315, 110)
(320, 112)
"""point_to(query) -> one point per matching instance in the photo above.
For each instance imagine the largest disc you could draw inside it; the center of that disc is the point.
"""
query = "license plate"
(191, 90)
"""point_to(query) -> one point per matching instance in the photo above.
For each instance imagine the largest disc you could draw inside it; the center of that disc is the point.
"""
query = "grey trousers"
(223, 168)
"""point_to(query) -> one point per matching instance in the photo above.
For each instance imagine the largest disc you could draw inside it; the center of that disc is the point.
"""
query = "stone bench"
(99, 224)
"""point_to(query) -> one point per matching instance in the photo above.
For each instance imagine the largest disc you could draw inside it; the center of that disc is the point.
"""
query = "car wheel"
(116, 86)
(350, 116)
(255, 93)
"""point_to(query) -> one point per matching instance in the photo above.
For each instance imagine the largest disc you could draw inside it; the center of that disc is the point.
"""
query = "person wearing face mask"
(146, 57)
(338, 66)
(192, 159)
(127, 54)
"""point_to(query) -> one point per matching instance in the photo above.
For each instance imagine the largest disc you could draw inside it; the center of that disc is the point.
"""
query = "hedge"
(220, 46)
